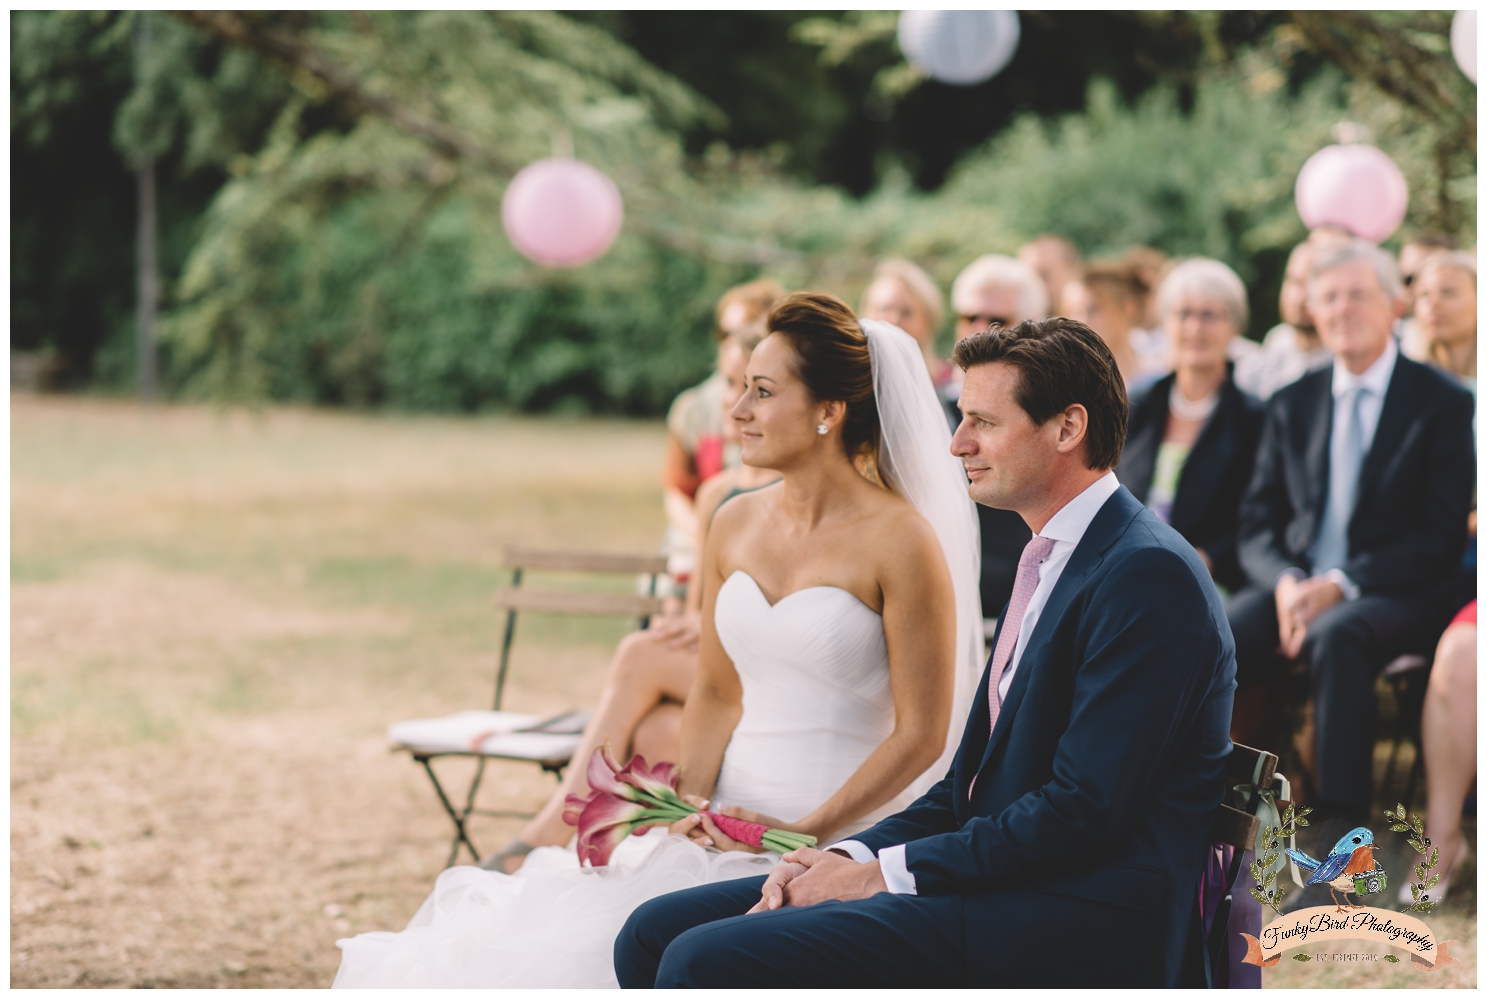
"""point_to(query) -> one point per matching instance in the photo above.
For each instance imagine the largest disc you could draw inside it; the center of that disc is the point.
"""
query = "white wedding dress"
(816, 702)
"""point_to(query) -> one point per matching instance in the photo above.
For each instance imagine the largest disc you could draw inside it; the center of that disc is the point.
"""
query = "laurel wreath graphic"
(1267, 890)
(1424, 879)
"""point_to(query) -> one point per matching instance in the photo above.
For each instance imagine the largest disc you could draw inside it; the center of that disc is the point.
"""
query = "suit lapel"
(1318, 429)
(1399, 400)
(972, 743)
(1106, 529)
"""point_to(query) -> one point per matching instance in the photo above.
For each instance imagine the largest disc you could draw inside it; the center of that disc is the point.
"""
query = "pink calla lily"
(573, 807)
(657, 782)
(638, 796)
(607, 820)
(602, 774)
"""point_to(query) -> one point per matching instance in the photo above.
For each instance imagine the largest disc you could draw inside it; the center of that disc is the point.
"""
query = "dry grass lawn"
(215, 615)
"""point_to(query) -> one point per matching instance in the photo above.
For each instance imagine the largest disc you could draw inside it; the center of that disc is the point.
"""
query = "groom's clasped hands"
(806, 877)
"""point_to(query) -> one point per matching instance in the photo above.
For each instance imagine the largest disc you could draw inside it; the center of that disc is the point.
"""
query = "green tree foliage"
(335, 232)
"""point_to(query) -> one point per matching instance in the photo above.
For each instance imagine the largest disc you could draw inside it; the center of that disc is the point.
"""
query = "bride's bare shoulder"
(901, 533)
(738, 512)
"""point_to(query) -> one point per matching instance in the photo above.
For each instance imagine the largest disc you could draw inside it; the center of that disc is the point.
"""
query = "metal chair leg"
(469, 808)
(461, 836)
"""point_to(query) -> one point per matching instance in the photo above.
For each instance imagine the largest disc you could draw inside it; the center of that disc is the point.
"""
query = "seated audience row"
(1333, 517)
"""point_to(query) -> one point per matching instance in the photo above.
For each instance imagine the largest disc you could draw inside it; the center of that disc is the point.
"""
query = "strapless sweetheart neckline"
(795, 593)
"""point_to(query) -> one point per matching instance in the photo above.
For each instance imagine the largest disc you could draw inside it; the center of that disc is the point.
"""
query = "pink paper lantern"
(1354, 187)
(562, 213)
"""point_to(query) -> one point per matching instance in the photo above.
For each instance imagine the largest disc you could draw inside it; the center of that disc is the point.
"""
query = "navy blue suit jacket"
(1097, 791)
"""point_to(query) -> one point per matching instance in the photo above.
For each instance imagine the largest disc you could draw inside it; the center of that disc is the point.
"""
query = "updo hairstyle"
(832, 360)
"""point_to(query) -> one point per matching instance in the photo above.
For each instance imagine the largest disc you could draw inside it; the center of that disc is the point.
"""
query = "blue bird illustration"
(1352, 855)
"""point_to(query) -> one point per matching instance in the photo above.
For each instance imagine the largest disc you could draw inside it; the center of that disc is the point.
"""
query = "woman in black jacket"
(1191, 446)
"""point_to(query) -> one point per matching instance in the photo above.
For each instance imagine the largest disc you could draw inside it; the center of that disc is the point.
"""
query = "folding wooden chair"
(503, 735)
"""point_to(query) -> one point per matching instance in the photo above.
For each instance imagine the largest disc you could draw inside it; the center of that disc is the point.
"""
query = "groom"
(1066, 844)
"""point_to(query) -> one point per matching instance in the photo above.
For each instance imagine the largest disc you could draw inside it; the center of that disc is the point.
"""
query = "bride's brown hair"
(832, 360)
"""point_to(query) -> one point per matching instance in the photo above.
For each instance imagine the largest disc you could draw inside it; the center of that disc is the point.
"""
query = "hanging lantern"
(962, 47)
(1464, 42)
(562, 213)
(1354, 187)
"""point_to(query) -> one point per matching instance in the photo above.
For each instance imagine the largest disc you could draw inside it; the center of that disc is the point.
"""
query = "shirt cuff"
(893, 863)
(1349, 588)
(857, 851)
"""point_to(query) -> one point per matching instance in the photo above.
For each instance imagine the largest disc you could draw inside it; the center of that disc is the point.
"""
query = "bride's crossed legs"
(639, 711)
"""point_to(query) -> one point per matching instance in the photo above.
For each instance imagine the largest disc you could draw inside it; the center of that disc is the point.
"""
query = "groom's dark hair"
(1060, 362)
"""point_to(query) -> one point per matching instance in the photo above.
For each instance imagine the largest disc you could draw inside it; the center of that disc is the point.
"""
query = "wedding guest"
(1190, 449)
(1151, 266)
(901, 293)
(1414, 252)
(1353, 524)
(1445, 290)
(694, 425)
(1448, 731)
(1080, 806)
(995, 290)
(1055, 260)
(1109, 297)
(1445, 301)
(1291, 348)
(640, 706)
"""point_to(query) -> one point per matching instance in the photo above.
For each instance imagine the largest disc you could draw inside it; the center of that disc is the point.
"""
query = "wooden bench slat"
(576, 602)
(538, 558)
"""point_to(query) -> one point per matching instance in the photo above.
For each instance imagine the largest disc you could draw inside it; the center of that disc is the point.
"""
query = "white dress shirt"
(1376, 380)
(1066, 528)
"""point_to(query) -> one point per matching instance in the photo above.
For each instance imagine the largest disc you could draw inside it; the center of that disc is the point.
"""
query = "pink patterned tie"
(1022, 594)
(1033, 556)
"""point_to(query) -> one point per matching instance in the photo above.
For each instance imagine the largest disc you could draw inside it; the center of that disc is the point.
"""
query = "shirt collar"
(1070, 523)
(1375, 379)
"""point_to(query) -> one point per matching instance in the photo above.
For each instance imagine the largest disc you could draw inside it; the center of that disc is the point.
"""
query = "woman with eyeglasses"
(1191, 444)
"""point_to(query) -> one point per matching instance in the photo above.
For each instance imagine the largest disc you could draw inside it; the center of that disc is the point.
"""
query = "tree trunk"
(149, 284)
(145, 263)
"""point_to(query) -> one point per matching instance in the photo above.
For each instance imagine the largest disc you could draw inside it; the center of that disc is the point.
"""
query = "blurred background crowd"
(307, 207)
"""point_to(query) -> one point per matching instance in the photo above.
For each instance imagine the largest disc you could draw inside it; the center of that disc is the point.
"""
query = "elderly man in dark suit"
(1355, 520)
(1066, 845)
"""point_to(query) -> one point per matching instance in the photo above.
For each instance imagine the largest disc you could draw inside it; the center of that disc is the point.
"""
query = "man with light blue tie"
(1356, 517)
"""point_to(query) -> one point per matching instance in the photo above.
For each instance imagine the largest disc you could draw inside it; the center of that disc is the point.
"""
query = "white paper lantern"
(1464, 42)
(962, 47)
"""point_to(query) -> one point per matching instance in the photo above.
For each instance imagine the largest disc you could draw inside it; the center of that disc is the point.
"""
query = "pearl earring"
(821, 429)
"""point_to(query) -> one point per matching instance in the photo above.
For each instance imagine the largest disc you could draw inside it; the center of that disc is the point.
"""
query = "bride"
(841, 620)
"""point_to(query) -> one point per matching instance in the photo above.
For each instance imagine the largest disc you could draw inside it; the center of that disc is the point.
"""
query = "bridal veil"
(915, 462)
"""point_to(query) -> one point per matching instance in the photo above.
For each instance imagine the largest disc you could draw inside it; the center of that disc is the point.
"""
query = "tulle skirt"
(552, 924)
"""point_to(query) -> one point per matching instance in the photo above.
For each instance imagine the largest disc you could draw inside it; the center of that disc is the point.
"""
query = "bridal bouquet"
(637, 796)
